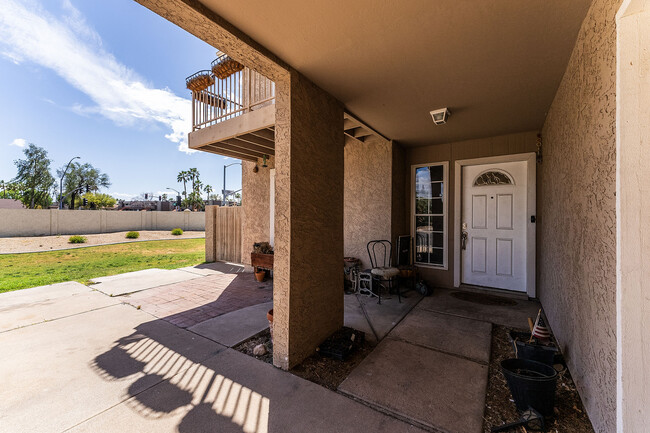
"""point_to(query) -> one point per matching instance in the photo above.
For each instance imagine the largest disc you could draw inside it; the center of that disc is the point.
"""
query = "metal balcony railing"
(222, 99)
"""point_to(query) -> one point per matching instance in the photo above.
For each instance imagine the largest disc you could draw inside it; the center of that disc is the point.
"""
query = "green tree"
(12, 190)
(99, 200)
(82, 178)
(35, 177)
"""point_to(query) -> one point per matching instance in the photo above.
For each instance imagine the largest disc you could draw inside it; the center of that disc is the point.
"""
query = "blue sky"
(103, 80)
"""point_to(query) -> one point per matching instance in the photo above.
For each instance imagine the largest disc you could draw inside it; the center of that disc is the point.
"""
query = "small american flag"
(540, 330)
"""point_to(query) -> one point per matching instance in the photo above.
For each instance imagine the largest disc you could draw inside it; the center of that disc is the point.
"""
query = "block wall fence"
(50, 222)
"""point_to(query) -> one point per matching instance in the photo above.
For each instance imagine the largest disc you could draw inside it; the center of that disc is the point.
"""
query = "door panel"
(504, 211)
(494, 217)
(479, 254)
(479, 211)
(504, 257)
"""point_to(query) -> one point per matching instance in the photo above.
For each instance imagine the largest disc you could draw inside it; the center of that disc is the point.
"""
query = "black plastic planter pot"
(535, 352)
(531, 383)
(532, 351)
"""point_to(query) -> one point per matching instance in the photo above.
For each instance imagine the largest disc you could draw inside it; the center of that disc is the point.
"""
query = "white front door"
(493, 225)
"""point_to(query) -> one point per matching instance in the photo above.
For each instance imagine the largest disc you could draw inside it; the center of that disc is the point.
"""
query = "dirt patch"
(322, 370)
(35, 244)
(570, 415)
(264, 338)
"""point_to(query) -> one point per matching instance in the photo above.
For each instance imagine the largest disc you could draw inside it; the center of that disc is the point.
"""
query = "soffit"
(496, 64)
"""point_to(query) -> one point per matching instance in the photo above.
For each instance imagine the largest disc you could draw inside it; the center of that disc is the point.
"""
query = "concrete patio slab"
(232, 392)
(39, 304)
(355, 318)
(42, 293)
(383, 317)
(63, 372)
(421, 384)
(455, 335)
(131, 282)
(514, 316)
(232, 328)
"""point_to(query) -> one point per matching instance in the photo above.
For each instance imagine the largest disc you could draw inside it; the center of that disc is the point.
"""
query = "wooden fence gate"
(223, 234)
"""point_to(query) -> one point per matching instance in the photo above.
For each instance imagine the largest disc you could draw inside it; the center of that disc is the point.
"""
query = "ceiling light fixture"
(440, 116)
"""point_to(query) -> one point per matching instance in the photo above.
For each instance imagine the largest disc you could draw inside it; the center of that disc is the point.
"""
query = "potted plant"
(269, 317)
(260, 274)
(199, 81)
(261, 259)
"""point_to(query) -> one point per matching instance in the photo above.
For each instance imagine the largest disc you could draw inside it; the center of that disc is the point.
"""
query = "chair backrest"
(380, 253)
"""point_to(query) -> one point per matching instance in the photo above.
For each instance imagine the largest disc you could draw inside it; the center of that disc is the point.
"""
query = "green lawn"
(20, 271)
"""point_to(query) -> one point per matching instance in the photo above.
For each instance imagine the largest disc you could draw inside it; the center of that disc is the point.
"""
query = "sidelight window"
(429, 210)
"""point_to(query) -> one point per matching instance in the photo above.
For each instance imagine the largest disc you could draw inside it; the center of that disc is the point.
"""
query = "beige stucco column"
(633, 217)
(255, 218)
(308, 276)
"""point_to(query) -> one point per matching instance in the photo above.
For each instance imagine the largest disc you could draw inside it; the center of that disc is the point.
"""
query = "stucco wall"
(577, 279)
(633, 214)
(479, 148)
(367, 194)
(255, 206)
(37, 222)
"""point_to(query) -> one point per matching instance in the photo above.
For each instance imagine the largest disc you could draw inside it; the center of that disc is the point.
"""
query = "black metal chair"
(380, 253)
(405, 256)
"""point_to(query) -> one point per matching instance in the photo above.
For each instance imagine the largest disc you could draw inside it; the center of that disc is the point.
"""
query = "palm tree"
(183, 176)
(193, 174)
(208, 189)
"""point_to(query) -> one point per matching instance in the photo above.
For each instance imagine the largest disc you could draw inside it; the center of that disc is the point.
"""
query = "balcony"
(233, 111)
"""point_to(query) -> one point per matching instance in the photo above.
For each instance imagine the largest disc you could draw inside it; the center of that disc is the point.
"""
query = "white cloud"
(72, 49)
(20, 142)
(122, 195)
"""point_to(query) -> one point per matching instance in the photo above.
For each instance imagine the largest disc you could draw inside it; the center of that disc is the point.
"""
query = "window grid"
(429, 214)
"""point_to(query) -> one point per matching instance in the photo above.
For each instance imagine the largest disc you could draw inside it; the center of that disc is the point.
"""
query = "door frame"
(531, 209)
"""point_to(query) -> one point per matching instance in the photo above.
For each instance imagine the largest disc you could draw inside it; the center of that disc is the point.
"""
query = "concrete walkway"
(77, 359)
(80, 360)
(432, 368)
(377, 320)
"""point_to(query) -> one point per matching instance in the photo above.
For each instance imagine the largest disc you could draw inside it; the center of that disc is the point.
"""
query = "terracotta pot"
(259, 275)
(269, 316)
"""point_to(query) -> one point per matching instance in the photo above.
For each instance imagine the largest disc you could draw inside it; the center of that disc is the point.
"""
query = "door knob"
(463, 240)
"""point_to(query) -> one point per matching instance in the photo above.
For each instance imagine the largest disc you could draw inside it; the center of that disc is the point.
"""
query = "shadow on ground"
(185, 383)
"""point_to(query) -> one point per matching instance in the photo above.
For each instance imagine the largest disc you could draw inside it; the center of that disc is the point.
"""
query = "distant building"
(150, 205)
(9, 203)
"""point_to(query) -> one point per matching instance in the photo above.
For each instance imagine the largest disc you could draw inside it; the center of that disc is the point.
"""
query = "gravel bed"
(36, 244)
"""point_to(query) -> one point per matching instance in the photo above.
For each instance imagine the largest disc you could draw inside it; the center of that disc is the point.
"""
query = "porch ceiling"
(495, 64)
